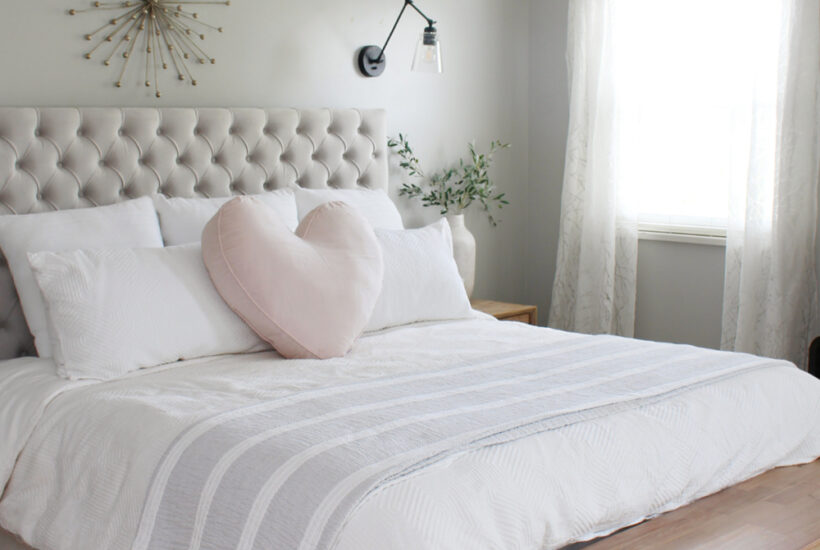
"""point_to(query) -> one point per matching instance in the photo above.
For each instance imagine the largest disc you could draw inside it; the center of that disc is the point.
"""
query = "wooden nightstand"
(508, 312)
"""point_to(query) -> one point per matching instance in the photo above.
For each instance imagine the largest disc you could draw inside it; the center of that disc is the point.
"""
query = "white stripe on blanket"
(287, 473)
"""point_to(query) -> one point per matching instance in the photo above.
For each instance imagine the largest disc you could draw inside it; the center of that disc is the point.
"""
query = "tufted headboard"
(61, 158)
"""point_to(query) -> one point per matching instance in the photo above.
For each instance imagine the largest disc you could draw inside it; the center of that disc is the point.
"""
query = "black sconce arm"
(410, 3)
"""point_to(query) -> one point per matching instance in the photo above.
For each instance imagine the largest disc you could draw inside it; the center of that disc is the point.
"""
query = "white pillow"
(421, 280)
(124, 225)
(183, 219)
(114, 311)
(374, 205)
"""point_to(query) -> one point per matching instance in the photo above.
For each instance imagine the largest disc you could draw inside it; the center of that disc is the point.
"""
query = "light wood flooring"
(779, 510)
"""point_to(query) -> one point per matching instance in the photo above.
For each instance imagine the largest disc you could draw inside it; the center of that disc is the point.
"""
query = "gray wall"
(549, 116)
(680, 293)
(301, 54)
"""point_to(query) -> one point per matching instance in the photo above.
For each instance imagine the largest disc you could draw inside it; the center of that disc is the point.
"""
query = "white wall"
(301, 54)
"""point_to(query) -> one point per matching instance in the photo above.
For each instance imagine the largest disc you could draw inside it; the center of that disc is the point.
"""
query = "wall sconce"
(428, 51)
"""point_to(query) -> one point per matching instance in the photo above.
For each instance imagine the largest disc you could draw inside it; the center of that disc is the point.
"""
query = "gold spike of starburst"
(160, 30)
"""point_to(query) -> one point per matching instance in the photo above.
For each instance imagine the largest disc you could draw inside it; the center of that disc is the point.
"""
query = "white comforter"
(85, 453)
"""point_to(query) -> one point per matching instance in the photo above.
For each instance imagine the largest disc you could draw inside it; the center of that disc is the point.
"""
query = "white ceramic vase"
(463, 250)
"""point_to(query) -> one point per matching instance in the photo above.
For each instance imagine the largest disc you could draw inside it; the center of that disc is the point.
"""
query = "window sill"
(709, 236)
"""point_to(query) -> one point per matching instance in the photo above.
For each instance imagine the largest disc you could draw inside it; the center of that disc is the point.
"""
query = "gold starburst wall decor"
(167, 33)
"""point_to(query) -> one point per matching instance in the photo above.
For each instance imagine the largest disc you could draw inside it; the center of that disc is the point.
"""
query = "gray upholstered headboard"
(61, 158)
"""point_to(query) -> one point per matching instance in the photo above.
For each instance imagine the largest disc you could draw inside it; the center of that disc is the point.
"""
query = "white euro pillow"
(182, 219)
(114, 311)
(374, 204)
(421, 280)
(127, 224)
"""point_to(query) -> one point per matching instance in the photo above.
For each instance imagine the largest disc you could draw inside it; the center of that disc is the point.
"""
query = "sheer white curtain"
(594, 288)
(770, 287)
(705, 110)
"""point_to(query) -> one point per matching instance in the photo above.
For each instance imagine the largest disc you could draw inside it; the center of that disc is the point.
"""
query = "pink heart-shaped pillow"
(310, 293)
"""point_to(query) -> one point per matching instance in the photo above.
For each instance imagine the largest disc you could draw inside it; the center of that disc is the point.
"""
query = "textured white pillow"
(421, 280)
(183, 219)
(374, 205)
(124, 225)
(114, 311)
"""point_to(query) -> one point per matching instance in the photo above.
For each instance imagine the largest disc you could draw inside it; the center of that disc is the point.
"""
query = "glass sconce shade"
(428, 53)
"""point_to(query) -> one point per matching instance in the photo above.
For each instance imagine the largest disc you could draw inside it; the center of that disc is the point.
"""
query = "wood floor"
(779, 510)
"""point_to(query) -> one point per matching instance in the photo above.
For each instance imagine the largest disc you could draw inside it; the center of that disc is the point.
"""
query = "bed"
(460, 433)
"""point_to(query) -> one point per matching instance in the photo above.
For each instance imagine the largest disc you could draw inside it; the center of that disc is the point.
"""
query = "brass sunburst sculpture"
(165, 31)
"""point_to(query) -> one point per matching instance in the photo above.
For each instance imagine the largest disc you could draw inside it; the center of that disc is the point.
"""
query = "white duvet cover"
(85, 453)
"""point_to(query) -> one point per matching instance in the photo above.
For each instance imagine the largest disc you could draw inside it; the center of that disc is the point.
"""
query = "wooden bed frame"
(778, 510)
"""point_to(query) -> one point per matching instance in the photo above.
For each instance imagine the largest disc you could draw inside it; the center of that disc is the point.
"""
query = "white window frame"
(690, 234)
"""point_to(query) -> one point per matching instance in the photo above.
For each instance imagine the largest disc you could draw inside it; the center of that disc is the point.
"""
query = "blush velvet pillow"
(309, 293)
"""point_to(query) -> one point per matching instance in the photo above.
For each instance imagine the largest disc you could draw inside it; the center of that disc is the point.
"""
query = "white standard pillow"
(421, 280)
(127, 224)
(114, 311)
(375, 205)
(183, 219)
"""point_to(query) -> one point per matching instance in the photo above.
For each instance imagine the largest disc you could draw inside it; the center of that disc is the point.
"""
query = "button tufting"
(179, 160)
(214, 160)
(37, 132)
(159, 131)
(233, 187)
(249, 158)
(268, 186)
(80, 132)
(102, 162)
(18, 165)
(60, 164)
(39, 196)
(123, 192)
(120, 132)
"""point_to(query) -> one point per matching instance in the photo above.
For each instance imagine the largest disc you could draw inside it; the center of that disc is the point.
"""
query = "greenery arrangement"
(453, 189)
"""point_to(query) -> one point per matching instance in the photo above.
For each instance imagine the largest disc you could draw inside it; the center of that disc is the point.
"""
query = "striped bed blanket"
(285, 474)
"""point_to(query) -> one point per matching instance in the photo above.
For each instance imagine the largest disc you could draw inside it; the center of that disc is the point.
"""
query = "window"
(685, 75)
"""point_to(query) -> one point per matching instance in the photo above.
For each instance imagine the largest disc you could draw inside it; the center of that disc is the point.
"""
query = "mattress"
(81, 457)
